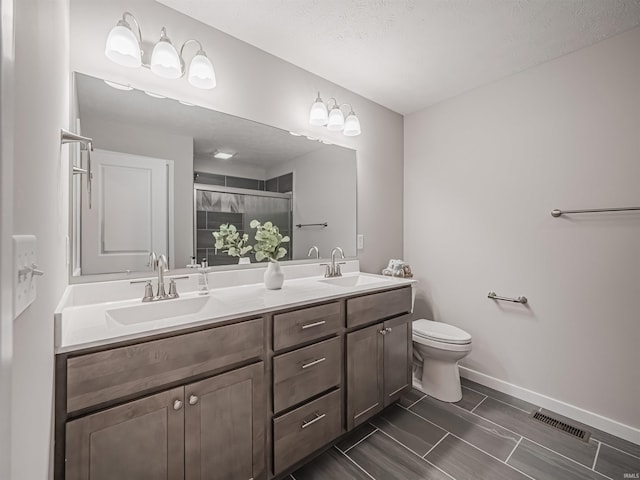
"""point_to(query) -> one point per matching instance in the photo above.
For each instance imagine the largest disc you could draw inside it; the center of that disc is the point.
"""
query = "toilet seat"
(438, 332)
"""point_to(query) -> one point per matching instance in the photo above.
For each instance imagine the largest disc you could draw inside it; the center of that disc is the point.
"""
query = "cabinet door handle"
(315, 362)
(311, 422)
(193, 400)
(382, 332)
(388, 329)
(315, 324)
(177, 404)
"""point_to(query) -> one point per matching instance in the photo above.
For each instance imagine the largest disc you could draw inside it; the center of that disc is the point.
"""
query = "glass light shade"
(165, 61)
(122, 46)
(318, 115)
(201, 73)
(336, 120)
(352, 125)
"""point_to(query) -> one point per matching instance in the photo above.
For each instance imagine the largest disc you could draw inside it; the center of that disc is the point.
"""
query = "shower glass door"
(216, 205)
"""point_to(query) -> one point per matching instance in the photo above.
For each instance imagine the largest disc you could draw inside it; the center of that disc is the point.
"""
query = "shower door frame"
(239, 191)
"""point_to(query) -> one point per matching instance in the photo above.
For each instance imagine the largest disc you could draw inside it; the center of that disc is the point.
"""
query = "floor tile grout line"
(416, 453)
(514, 449)
(479, 403)
(616, 448)
(375, 429)
(498, 400)
(356, 464)
(472, 445)
(423, 395)
(595, 459)
(539, 409)
(511, 431)
(436, 444)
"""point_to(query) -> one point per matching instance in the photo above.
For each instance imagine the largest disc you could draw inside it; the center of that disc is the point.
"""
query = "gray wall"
(482, 173)
(258, 86)
(40, 199)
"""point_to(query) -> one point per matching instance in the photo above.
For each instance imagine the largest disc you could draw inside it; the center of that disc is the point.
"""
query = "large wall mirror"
(157, 183)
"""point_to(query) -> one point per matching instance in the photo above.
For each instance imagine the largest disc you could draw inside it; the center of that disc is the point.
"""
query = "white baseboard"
(605, 424)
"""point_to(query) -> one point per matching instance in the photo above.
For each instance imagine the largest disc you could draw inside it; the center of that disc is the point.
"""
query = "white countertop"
(79, 324)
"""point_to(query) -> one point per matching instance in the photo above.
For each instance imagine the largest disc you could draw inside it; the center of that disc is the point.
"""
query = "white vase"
(244, 260)
(273, 276)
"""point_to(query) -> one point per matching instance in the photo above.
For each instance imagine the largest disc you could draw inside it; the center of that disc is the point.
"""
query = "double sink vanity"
(243, 383)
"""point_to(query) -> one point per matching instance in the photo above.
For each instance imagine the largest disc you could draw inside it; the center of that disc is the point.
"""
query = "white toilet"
(437, 348)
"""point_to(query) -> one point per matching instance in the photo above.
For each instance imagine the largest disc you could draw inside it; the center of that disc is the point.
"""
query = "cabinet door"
(398, 358)
(140, 440)
(364, 374)
(225, 426)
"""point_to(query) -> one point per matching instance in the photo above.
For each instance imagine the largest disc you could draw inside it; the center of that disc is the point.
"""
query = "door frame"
(7, 66)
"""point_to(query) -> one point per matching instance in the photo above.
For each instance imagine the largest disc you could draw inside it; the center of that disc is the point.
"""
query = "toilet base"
(440, 380)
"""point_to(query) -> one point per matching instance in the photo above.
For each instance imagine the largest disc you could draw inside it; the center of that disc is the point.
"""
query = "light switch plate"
(24, 281)
(360, 242)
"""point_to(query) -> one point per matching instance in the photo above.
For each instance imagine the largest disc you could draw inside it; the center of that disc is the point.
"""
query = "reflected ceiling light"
(154, 95)
(124, 48)
(118, 86)
(223, 155)
(333, 118)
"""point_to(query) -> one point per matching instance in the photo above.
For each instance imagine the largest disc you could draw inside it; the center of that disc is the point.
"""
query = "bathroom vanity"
(249, 386)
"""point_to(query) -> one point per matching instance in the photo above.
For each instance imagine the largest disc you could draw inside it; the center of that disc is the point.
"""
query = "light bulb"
(122, 46)
(318, 114)
(352, 125)
(165, 61)
(201, 73)
(336, 119)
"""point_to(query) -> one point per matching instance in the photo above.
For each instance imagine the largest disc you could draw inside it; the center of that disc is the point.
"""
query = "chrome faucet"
(333, 268)
(161, 264)
(162, 267)
(316, 250)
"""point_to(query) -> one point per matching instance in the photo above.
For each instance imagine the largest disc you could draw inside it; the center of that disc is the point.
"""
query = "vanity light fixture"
(223, 155)
(333, 118)
(124, 48)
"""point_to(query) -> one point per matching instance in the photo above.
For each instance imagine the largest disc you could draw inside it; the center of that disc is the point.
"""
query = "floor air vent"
(562, 426)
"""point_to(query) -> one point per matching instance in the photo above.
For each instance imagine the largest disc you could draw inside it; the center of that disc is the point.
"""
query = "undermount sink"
(354, 281)
(160, 310)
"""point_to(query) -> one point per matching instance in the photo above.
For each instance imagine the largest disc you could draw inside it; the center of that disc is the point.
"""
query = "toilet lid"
(440, 332)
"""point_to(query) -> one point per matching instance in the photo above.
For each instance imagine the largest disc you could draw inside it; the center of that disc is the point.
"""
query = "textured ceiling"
(409, 54)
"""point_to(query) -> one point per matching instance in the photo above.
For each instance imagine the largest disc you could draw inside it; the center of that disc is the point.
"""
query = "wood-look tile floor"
(487, 435)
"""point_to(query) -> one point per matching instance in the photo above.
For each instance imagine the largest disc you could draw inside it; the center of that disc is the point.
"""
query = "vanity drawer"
(101, 377)
(299, 326)
(378, 306)
(306, 429)
(305, 372)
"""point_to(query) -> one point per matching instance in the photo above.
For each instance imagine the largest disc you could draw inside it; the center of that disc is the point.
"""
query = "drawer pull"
(315, 324)
(177, 404)
(311, 422)
(315, 362)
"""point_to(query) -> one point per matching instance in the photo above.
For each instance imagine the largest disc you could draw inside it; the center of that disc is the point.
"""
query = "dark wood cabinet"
(398, 358)
(224, 426)
(365, 379)
(140, 440)
(379, 361)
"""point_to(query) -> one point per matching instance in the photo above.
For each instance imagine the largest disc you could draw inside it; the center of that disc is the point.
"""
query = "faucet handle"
(328, 272)
(173, 291)
(148, 292)
(337, 271)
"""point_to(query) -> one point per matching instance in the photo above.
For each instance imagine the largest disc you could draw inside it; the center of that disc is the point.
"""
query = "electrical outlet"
(25, 269)
(360, 242)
